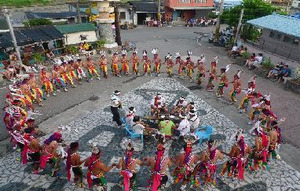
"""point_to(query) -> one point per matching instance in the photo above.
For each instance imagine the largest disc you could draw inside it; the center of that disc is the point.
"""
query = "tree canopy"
(37, 22)
(252, 9)
(21, 3)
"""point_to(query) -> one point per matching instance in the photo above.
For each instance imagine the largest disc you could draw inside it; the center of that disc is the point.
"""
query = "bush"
(246, 55)
(250, 32)
(212, 15)
(37, 22)
(38, 57)
(73, 49)
(100, 43)
(268, 65)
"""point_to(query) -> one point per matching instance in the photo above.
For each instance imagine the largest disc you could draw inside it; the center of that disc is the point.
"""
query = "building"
(187, 9)
(144, 11)
(76, 33)
(58, 17)
(280, 35)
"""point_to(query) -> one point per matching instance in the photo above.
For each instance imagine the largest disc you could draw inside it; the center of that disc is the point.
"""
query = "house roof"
(73, 28)
(280, 23)
(3, 24)
(50, 15)
(144, 7)
(27, 36)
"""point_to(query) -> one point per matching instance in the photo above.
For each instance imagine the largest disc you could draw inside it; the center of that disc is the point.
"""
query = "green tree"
(252, 9)
(37, 22)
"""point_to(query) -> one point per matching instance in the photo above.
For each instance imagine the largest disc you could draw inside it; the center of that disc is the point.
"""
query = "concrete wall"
(74, 38)
(277, 45)
(128, 17)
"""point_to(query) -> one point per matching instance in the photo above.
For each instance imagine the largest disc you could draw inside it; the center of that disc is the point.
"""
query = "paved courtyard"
(96, 126)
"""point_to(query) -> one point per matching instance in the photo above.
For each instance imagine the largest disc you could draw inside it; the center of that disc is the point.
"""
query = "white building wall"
(74, 38)
(296, 3)
(128, 18)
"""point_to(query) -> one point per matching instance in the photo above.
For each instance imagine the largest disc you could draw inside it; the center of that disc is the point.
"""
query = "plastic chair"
(132, 134)
(208, 131)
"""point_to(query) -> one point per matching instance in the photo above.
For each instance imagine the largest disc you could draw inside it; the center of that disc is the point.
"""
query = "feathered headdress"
(154, 51)
(227, 67)
(178, 55)
(102, 53)
(145, 53)
(169, 56)
(216, 59)
(124, 52)
(135, 51)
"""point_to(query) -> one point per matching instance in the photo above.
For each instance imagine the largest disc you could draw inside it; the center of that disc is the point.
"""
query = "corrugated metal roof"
(50, 15)
(65, 29)
(145, 7)
(280, 23)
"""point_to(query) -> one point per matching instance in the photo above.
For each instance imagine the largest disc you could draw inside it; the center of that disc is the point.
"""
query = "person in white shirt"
(190, 106)
(115, 106)
(130, 116)
(158, 105)
(193, 120)
(184, 126)
(179, 106)
(139, 128)
(257, 61)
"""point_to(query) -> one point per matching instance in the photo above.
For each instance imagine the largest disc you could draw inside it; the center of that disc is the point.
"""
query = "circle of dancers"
(178, 123)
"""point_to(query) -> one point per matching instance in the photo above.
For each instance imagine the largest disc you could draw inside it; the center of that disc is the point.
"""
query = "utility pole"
(158, 10)
(239, 26)
(13, 37)
(117, 25)
(217, 32)
(78, 12)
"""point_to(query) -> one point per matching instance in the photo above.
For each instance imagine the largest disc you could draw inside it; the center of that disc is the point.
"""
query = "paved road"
(78, 102)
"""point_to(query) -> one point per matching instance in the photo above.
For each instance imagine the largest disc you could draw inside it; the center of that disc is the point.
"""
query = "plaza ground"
(79, 102)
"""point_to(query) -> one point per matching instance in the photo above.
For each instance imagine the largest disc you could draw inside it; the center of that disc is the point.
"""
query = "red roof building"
(187, 9)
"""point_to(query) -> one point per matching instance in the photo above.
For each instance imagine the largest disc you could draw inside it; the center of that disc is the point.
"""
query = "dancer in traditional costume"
(223, 82)
(78, 66)
(238, 161)
(169, 64)
(206, 170)
(92, 69)
(124, 63)
(185, 164)
(128, 164)
(159, 165)
(156, 61)
(36, 91)
(212, 74)
(115, 64)
(103, 64)
(181, 63)
(64, 72)
(243, 107)
(135, 62)
(34, 152)
(74, 163)
(97, 170)
(201, 69)
(237, 86)
(146, 64)
(46, 82)
(57, 79)
(190, 65)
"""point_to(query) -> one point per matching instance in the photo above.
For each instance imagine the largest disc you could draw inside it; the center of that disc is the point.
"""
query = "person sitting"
(284, 72)
(50, 55)
(275, 71)
(257, 60)
(184, 126)
(193, 120)
(234, 50)
(87, 47)
(130, 116)
(166, 126)
(139, 128)
(179, 106)
(158, 105)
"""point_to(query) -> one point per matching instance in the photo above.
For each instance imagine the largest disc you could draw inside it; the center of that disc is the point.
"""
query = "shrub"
(246, 55)
(72, 49)
(100, 43)
(212, 15)
(37, 22)
(38, 57)
(268, 65)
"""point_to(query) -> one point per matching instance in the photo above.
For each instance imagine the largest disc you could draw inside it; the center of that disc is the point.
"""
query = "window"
(122, 15)
(272, 34)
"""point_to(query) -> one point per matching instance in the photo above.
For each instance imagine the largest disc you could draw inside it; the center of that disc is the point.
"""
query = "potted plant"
(72, 49)
(100, 45)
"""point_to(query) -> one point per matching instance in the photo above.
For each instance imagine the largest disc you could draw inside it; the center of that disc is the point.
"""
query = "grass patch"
(23, 3)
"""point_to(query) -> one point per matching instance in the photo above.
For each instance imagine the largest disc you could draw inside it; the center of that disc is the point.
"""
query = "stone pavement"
(97, 126)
